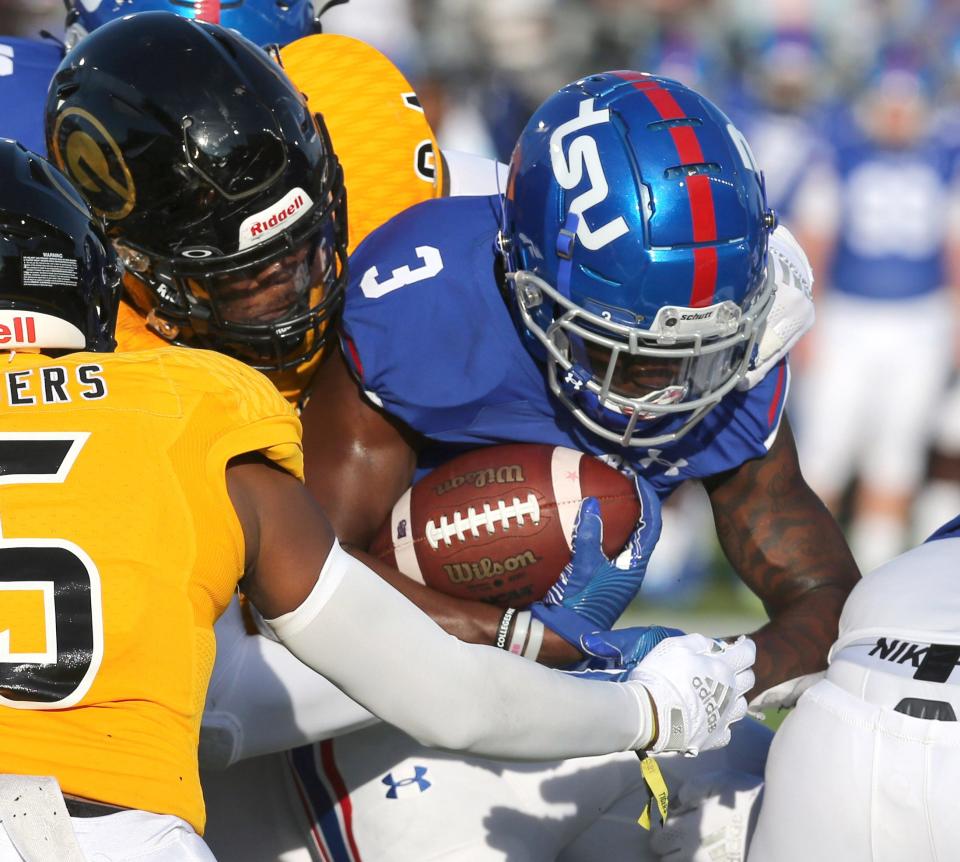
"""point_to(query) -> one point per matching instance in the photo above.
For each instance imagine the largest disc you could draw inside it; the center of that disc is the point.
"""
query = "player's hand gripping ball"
(496, 523)
(593, 590)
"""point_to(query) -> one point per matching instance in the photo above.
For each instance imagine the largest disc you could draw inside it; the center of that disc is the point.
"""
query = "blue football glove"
(613, 655)
(593, 591)
(624, 647)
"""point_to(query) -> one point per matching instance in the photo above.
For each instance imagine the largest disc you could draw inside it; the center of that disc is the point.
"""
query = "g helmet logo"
(90, 156)
(584, 155)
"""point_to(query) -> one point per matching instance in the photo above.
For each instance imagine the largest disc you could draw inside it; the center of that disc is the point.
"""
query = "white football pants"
(856, 781)
(378, 796)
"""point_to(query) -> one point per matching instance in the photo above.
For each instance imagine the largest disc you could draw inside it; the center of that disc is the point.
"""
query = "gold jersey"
(119, 548)
(389, 154)
(388, 151)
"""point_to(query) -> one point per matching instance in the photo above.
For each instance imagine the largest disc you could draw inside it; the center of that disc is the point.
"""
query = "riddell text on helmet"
(263, 225)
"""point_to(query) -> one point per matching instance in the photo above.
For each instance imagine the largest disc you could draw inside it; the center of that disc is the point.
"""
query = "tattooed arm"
(788, 549)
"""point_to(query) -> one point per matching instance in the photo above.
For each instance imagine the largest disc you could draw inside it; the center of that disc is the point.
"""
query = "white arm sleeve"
(388, 655)
(262, 699)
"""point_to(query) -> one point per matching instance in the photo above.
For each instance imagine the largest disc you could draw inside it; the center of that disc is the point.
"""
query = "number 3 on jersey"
(51, 617)
(431, 265)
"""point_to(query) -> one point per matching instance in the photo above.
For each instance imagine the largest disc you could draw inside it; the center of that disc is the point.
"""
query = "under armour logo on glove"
(418, 778)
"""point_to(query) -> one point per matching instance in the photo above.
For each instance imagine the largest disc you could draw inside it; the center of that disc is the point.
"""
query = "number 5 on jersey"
(51, 617)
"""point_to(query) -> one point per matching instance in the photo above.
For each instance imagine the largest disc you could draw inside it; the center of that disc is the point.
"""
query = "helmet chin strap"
(566, 238)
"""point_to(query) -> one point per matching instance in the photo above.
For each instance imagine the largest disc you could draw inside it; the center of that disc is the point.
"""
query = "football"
(496, 523)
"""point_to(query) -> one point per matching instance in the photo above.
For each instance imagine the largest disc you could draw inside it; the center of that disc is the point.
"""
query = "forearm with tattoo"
(789, 550)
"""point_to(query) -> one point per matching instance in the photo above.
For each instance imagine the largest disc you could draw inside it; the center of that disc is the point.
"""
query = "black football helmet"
(221, 191)
(59, 276)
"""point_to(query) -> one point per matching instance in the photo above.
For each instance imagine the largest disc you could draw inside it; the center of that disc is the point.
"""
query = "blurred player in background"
(883, 723)
(881, 222)
(108, 709)
(784, 87)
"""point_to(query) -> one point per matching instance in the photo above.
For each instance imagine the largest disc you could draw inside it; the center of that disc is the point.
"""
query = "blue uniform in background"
(432, 340)
(26, 69)
(890, 242)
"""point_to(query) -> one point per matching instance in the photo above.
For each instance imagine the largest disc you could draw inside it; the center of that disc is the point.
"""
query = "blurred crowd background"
(852, 108)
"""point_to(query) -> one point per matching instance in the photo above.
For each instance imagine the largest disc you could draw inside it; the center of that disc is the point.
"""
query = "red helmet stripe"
(664, 102)
(704, 276)
(688, 147)
(699, 190)
(209, 11)
(701, 209)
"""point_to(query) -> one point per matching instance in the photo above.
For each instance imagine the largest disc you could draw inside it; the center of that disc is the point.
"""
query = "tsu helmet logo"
(583, 154)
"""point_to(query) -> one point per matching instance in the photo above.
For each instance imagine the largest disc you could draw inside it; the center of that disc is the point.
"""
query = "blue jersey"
(432, 340)
(26, 69)
(785, 144)
(892, 228)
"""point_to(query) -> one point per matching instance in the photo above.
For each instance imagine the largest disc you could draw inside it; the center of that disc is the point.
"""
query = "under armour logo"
(402, 529)
(653, 457)
(574, 381)
(418, 778)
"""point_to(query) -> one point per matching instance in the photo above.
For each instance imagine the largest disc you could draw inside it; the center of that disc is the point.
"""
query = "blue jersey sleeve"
(427, 338)
(26, 69)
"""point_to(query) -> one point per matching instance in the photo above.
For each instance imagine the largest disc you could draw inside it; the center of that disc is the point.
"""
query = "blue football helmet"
(265, 22)
(634, 237)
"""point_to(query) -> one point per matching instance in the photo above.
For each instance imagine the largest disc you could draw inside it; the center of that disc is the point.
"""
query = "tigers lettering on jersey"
(53, 384)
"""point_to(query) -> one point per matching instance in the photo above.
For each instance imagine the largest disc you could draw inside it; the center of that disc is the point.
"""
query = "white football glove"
(712, 817)
(697, 685)
(792, 312)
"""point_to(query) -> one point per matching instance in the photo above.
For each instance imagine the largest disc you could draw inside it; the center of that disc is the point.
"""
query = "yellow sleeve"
(246, 410)
(389, 153)
(132, 331)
